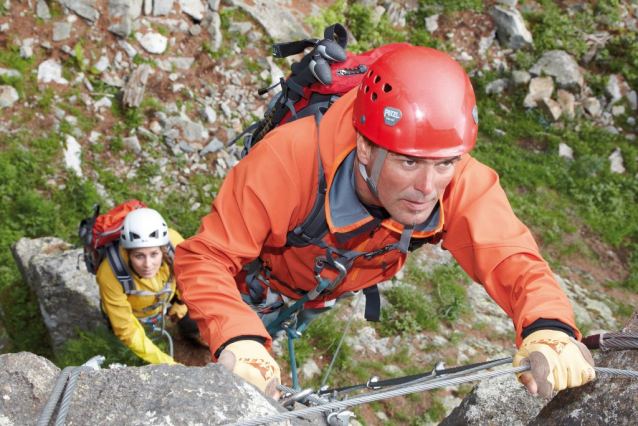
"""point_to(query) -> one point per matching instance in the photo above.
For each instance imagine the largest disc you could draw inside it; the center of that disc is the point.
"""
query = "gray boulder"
(25, 384)
(84, 9)
(491, 402)
(68, 295)
(608, 400)
(563, 67)
(154, 394)
(275, 17)
(510, 27)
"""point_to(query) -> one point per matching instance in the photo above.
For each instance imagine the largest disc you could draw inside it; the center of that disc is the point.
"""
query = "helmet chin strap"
(376, 170)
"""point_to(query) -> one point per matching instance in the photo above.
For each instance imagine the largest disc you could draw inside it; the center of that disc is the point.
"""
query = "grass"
(100, 341)
(579, 192)
(425, 301)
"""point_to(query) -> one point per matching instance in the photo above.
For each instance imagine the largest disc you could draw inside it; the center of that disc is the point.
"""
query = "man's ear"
(364, 150)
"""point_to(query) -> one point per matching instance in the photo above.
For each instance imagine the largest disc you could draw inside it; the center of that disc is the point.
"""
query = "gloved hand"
(251, 361)
(177, 312)
(558, 362)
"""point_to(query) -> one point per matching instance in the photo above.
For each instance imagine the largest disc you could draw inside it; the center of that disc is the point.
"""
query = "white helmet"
(144, 228)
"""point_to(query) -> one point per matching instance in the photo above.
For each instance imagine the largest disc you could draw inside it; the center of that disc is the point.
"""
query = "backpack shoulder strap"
(314, 227)
(119, 268)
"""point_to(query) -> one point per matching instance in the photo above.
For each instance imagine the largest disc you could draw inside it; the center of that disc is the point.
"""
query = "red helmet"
(417, 101)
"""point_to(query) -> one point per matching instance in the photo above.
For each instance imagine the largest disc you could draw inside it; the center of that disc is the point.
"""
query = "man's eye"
(446, 164)
(409, 163)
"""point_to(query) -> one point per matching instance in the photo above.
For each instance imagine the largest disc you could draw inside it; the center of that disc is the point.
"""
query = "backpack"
(323, 75)
(100, 235)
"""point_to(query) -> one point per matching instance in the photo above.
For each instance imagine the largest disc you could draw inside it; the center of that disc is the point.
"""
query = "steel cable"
(404, 390)
(618, 341)
(68, 395)
(343, 337)
(54, 397)
(375, 396)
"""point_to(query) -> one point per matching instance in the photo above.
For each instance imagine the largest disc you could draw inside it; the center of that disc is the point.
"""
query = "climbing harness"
(66, 382)
(287, 320)
(157, 327)
(337, 411)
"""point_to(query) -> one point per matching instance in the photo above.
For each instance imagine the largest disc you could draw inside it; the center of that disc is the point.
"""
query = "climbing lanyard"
(287, 320)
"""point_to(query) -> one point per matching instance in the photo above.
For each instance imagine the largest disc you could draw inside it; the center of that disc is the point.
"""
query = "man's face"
(409, 187)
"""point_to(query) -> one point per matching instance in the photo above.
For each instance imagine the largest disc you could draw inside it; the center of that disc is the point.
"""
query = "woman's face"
(146, 261)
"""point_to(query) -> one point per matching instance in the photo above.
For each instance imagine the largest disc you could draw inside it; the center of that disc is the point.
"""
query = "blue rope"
(293, 361)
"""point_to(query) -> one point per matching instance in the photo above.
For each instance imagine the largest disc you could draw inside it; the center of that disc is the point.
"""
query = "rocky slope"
(151, 92)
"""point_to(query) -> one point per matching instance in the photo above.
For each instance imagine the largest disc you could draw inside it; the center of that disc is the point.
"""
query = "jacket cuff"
(548, 324)
(258, 339)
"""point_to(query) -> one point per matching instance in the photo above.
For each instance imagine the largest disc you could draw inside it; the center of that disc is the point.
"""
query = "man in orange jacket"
(394, 153)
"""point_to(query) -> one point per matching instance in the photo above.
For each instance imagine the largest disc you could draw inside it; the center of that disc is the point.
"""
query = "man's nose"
(425, 180)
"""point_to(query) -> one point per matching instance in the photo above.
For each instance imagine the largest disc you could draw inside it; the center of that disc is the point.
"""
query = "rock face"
(609, 400)
(25, 383)
(154, 394)
(491, 402)
(68, 295)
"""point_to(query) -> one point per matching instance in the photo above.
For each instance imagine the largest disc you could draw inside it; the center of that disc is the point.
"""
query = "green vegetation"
(454, 5)
(555, 29)
(429, 299)
(100, 341)
(552, 195)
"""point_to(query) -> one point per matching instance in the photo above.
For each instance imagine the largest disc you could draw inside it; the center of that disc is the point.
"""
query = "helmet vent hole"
(370, 73)
(374, 96)
(153, 234)
(377, 79)
(387, 88)
(367, 89)
(133, 236)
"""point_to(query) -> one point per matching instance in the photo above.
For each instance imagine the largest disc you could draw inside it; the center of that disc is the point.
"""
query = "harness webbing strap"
(314, 227)
(373, 304)
(119, 268)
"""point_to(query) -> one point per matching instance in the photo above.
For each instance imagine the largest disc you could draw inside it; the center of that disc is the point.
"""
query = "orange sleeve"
(257, 202)
(498, 251)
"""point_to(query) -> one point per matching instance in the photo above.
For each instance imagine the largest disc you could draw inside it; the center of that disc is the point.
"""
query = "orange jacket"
(272, 190)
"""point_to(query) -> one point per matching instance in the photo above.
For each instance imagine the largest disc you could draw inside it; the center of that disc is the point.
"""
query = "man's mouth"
(418, 205)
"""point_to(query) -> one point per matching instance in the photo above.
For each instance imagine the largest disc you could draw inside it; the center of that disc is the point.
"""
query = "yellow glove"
(251, 361)
(177, 312)
(558, 362)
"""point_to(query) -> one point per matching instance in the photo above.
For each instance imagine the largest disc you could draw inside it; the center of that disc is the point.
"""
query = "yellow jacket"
(124, 310)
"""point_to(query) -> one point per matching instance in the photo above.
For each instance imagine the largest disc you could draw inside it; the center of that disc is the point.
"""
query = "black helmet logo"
(391, 116)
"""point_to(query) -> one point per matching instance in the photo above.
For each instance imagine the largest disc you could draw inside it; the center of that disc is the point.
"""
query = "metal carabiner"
(290, 401)
(341, 418)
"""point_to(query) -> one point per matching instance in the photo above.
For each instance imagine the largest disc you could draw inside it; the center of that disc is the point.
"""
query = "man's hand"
(177, 312)
(251, 361)
(558, 362)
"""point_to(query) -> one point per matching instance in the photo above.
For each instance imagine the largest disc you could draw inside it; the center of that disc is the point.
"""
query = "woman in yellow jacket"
(145, 250)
